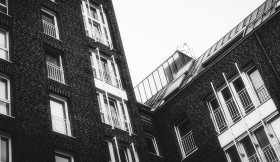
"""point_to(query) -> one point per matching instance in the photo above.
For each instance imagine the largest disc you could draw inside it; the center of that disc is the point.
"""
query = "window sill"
(63, 134)
(6, 60)
(156, 155)
(8, 116)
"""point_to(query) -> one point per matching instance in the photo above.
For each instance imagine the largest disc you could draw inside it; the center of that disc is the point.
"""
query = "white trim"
(7, 43)
(64, 153)
(50, 13)
(8, 100)
(147, 135)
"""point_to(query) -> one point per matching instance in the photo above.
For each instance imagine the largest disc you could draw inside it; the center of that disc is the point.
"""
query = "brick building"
(65, 89)
(222, 106)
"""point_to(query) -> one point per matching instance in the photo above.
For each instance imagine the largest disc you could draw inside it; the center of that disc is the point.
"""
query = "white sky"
(151, 30)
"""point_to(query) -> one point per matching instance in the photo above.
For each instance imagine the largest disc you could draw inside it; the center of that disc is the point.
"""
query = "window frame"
(67, 123)
(7, 101)
(5, 135)
(179, 139)
(153, 138)
(63, 155)
(101, 22)
(7, 42)
(7, 7)
(54, 15)
(59, 67)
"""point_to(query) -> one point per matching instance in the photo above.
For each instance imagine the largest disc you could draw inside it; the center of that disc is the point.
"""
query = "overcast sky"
(151, 30)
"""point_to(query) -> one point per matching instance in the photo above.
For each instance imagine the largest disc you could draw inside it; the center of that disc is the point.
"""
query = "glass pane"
(261, 137)
(3, 9)
(4, 149)
(256, 79)
(102, 18)
(48, 18)
(150, 145)
(248, 146)
(116, 154)
(184, 128)
(214, 104)
(226, 94)
(53, 59)
(57, 109)
(3, 54)
(233, 154)
(3, 39)
(123, 154)
(61, 158)
(3, 2)
(3, 89)
(238, 85)
(93, 13)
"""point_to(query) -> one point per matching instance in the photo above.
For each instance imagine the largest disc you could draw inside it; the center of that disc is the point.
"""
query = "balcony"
(188, 143)
(50, 29)
(107, 76)
(117, 120)
(245, 100)
(61, 125)
(253, 158)
(268, 154)
(219, 118)
(55, 72)
(233, 110)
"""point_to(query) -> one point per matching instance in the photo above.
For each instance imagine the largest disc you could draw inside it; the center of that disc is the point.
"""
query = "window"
(185, 138)
(105, 68)
(4, 6)
(5, 96)
(62, 157)
(95, 23)
(54, 67)
(240, 97)
(151, 144)
(5, 147)
(4, 45)
(59, 113)
(114, 112)
(50, 26)
(232, 154)
(122, 153)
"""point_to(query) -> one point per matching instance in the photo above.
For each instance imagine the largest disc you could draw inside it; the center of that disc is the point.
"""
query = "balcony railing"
(117, 120)
(55, 72)
(188, 143)
(253, 158)
(220, 119)
(108, 76)
(269, 154)
(49, 29)
(261, 90)
(245, 100)
(233, 109)
(61, 125)
(4, 107)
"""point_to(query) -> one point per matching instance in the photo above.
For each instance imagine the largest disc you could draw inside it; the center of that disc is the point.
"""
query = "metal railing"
(117, 120)
(220, 119)
(108, 76)
(261, 90)
(245, 100)
(188, 143)
(269, 154)
(49, 29)
(55, 72)
(61, 125)
(233, 109)
(253, 158)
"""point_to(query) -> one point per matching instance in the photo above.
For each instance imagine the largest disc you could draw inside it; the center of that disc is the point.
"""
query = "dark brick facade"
(261, 49)
(30, 128)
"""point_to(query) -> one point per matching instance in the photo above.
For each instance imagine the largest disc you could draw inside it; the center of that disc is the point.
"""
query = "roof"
(194, 67)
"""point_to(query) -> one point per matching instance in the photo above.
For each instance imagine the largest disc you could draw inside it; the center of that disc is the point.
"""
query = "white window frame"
(4, 135)
(147, 135)
(179, 138)
(66, 121)
(99, 72)
(63, 153)
(7, 3)
(59, 69)
(107, 114)
(7, 101)
(130, 151)
(7, 42)
(50, 13)
(103, 27)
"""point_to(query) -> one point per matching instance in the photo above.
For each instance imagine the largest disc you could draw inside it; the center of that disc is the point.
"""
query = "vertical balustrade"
(49, 29)
(55, 72)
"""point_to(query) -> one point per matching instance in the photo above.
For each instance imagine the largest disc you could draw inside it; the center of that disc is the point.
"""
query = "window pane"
(4, 149)
(233, 154)
(3, 9)
(248, 146)
(3, 39)
(57, 109)
(61, 158)
(3, 2)
(262, 138)
(226, 94)
(93, 13)
(184, 128)
(3, 54)
(214, 104)
(150, 145)
(123, 154)
(48, 18)
(53, 59)
(3, 89)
